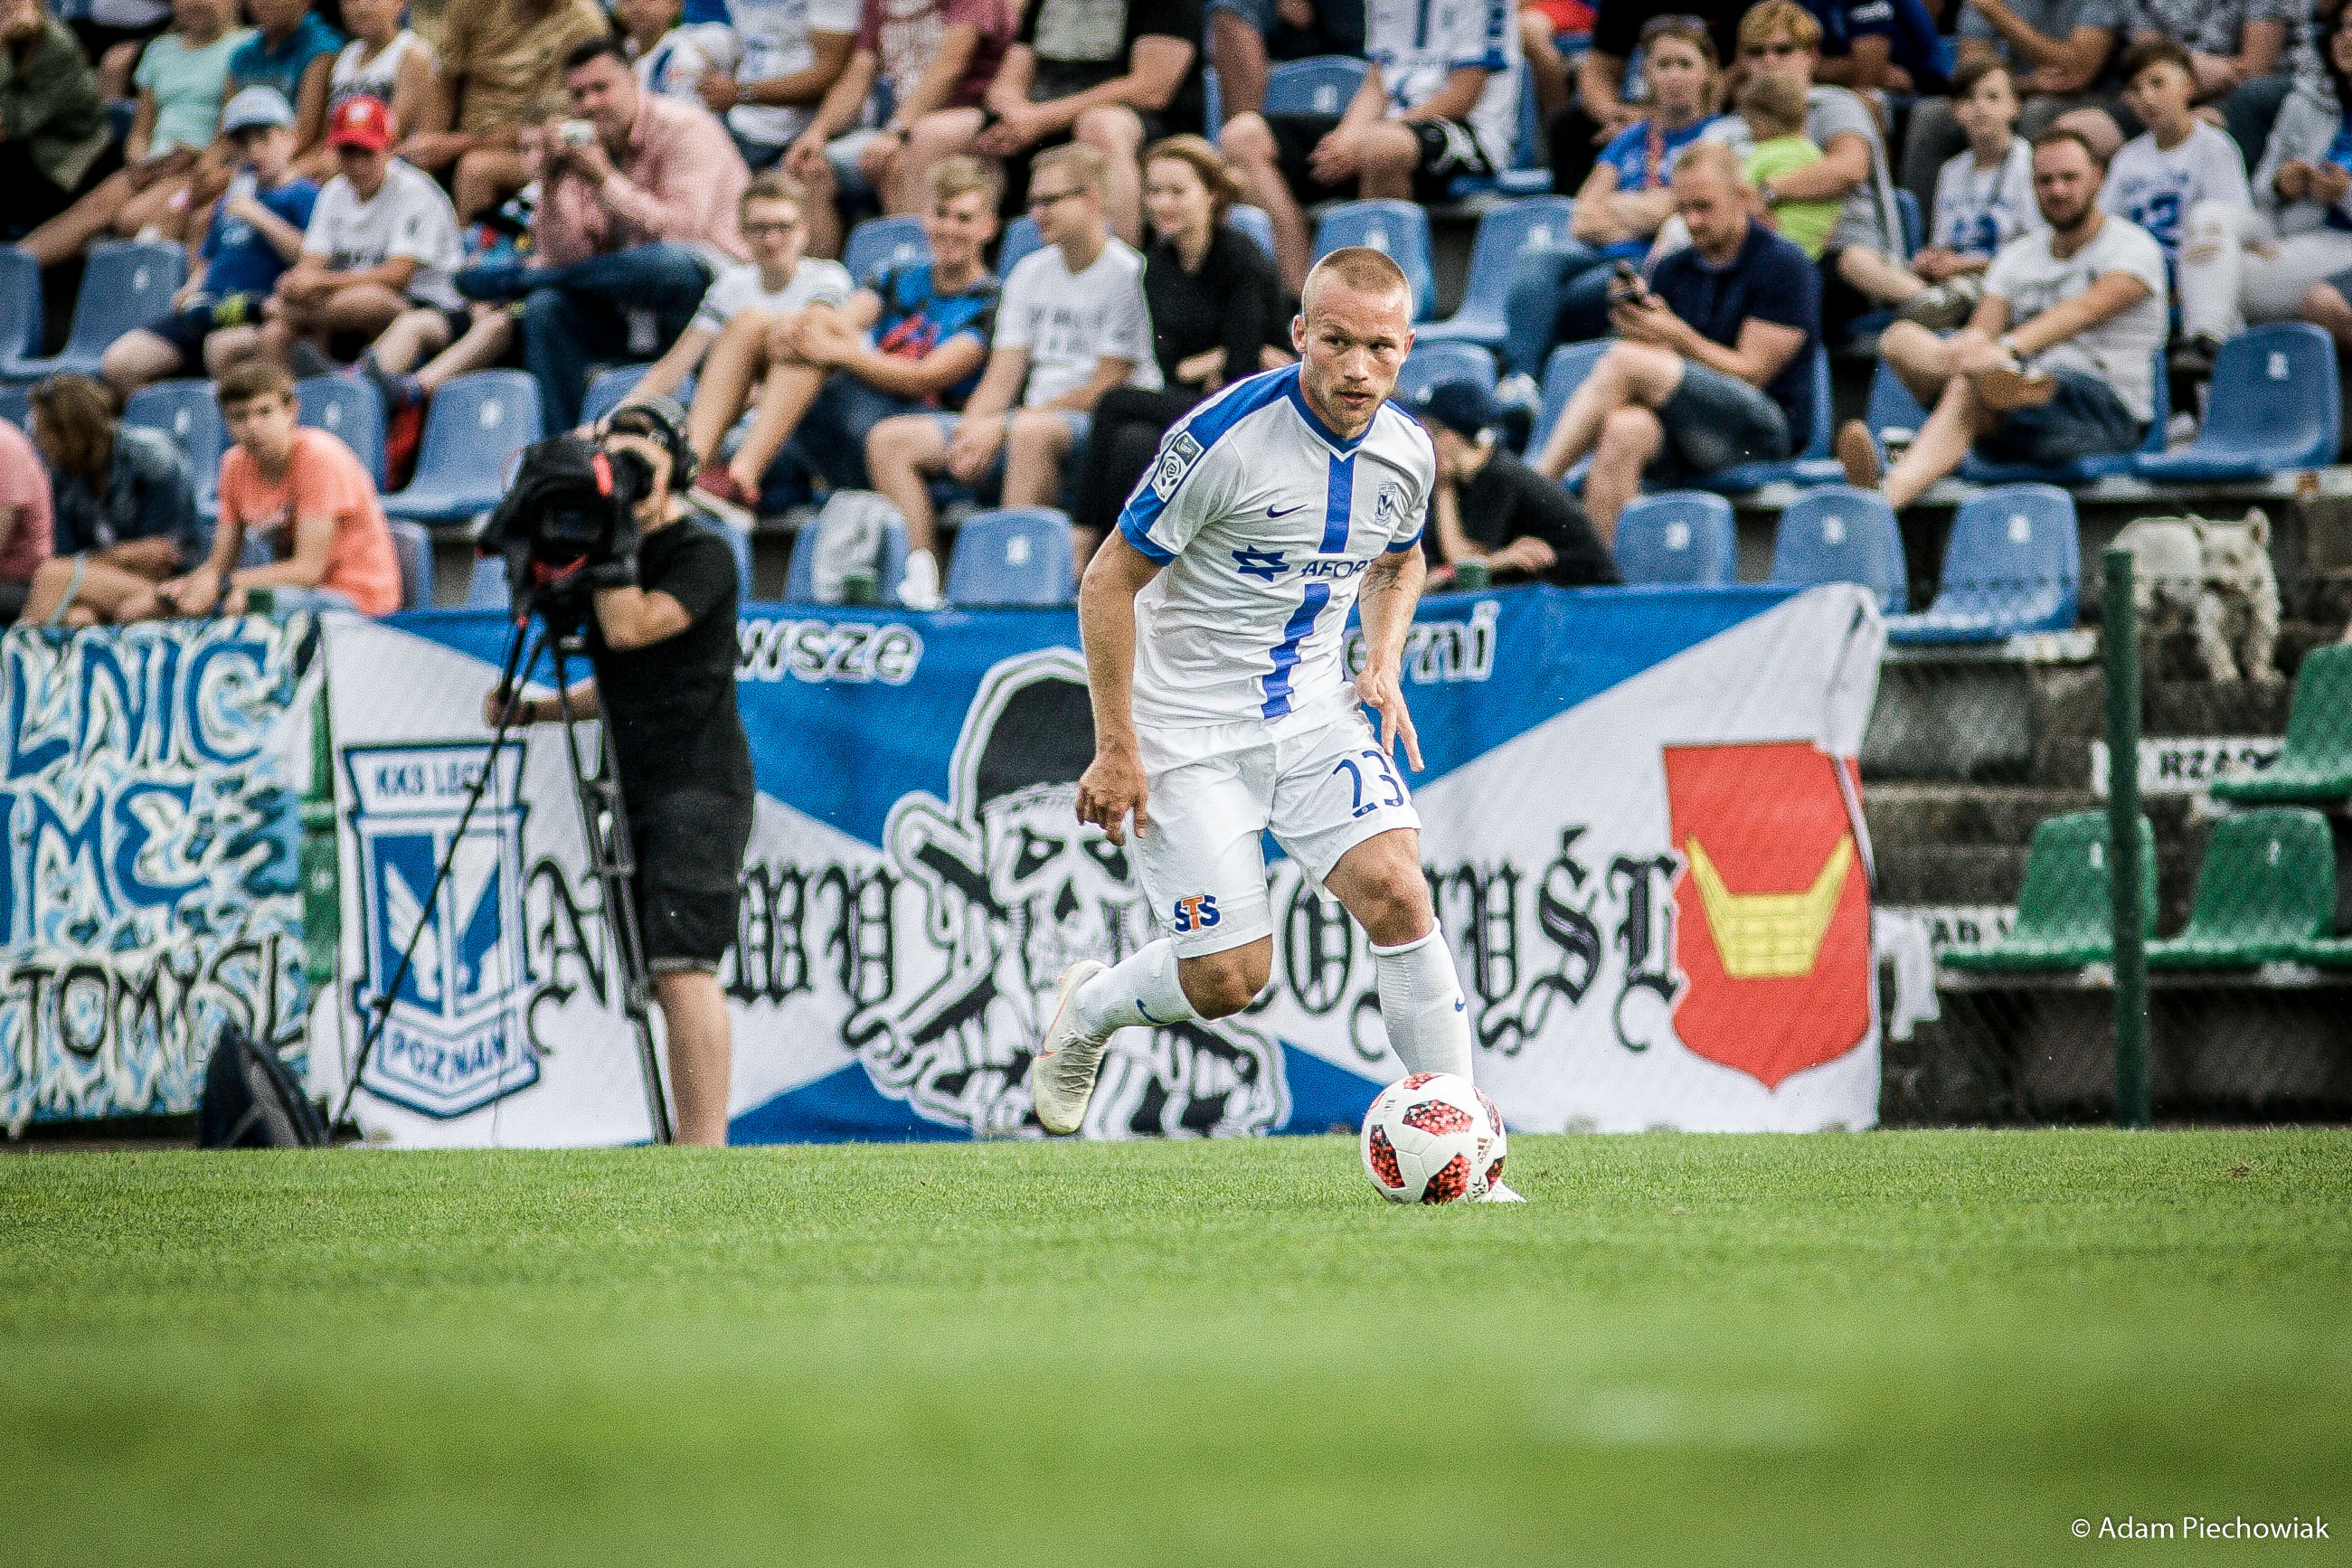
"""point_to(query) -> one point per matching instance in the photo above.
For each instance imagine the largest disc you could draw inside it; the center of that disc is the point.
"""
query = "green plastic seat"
(2318, 762)
(2267, 887)
(2064, 909)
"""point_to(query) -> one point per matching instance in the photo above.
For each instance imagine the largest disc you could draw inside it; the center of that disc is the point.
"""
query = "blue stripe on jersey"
(1323, 432)
(1401, 545)
(1286, 652)
(1339, 505)
(1206, 424)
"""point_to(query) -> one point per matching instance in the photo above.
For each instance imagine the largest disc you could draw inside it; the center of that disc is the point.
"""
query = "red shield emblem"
(1772, 910)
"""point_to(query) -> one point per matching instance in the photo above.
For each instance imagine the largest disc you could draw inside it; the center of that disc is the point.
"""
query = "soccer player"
(1212, 622)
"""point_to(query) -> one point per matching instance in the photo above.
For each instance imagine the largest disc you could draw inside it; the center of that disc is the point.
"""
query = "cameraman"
(662, 645)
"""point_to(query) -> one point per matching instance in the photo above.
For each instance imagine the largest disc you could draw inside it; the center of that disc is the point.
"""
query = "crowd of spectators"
(405, 194)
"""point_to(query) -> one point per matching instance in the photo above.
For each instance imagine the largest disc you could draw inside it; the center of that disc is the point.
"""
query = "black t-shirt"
(1082, 44)
(1617, 24)
(670, 707)
(1229, 303)
(1507, 500)
(1769, 279)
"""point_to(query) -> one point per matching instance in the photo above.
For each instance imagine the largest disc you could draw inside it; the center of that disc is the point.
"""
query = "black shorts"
(688, 845)
(1449, 152)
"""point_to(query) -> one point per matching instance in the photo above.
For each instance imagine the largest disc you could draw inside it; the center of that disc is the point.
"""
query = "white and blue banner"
(150, 840)
(1641, 822)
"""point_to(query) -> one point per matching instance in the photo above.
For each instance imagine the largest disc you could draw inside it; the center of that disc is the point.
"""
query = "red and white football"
(1429, 1138)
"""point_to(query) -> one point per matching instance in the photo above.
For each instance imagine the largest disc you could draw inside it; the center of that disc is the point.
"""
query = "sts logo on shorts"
(456, 1037)
(1198, 912)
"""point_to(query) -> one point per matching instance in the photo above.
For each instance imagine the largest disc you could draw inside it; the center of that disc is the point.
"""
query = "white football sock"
(1139, 991)
(1422, 1005)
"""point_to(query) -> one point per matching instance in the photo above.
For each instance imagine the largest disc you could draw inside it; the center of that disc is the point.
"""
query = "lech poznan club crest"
(455, 1039)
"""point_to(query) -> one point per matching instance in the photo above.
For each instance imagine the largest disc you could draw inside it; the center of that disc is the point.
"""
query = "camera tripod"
(562, 611)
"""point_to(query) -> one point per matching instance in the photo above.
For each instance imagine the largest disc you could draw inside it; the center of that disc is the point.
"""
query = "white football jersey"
(1264, 521)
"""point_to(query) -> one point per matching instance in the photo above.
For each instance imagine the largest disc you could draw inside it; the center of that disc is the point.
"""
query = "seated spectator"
(1215, 302)
(1111, 74)
(634, 222)
(1562, 296)
(1880, 46)
(2178, 163)
(2252, 106)
(793, 52)
(24, 519)
(1542, 23)
(2058, 361)
(1603, 108)
(386, 61)
(1773, 109)
(304, 494)
(381, 237)
(914, 337)
(180, 76)
(671, 57)
(292, 52)
(2292, 253)
(122, 508)
(1713, 367)
(1490, 506)
(1440, 100)
(935, 54)
(254, 234)
(1073, 325)
(1245, 36)
(57, 145)
(2229, 43)
(2057, 52)
(501, 68)
(1984, 199)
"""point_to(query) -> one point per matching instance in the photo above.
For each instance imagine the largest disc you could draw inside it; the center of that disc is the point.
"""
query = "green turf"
(1842, 1349)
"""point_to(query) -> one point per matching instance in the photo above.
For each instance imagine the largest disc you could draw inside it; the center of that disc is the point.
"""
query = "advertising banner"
(1641, 825)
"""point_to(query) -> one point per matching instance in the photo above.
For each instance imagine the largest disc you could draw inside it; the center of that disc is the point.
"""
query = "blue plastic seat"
(352, 410)
(610, 388)
(2082, 471)
(1891, 407)
(1525, 176)
(16, 408)
(2275, 404)
(1563, 374)
(1682, 537)
(1253, 222)
(1811, 466)
(1914, 229)
(414, 552)
(1021, 238)
(487, 588)
(187, 412)
(1020, 555)
(20, 308)
(882, 242)
(1433, 364)
(1539, 223)
(1839, 534)
(1398, 230)
(127, 284)
(476, 424)
(738, 543)
(2012, 564)
(1321, 85)
(890, 569)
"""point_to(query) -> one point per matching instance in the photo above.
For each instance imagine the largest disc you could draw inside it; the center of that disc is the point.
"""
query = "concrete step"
(1917, 814)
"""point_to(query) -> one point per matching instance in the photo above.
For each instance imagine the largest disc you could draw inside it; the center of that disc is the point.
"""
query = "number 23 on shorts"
(1393, 791)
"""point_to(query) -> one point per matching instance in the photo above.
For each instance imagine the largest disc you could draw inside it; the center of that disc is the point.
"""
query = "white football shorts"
(1320, 792)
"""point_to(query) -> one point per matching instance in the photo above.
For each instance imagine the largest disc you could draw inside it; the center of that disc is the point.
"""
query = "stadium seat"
(2267, 884)
(187, 413)
(487, 588)
(1021, 238)
(2012, 564)
(1020, 555)
(2274, 404)
(349, 409)
(2316, 764)
(738, 542)
(882, 242)
(20, 308)
(889, 570)
(410, 543)
(127, 284)
(1212, 100)
(1891, 407)
(1539, 223)
(1839, 534)
(1915, 230)
(610, 388)
(2082, 471)
(476, 423)
(2065, 906)
(1433, 364)
(16, 408)
(1563, 374)
(1526, 176)
(1322, 85)
(1398, 230)
(1812, 464)
(1253, 221)
(1683, 537)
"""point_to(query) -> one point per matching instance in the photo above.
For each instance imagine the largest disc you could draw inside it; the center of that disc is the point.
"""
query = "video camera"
(568, 523)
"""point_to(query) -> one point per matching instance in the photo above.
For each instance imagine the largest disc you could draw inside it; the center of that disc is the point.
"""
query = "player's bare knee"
(1221, 984)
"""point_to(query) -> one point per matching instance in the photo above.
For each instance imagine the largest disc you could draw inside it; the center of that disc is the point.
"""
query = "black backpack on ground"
(251, 1101)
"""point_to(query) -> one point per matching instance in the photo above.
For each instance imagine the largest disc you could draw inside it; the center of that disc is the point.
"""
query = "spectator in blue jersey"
(1603, 108)
(1880, 45)
(122, 508)
(1713, 367)
(292, 54)
(254, 234)
(2178, 163)
(913, 338)
(1562, 296)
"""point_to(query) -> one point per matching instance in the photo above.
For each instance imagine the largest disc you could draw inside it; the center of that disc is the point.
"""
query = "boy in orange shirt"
(304, 492)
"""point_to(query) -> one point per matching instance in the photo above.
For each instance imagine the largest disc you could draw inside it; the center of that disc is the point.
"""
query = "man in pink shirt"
(24, 519)
(635, 221)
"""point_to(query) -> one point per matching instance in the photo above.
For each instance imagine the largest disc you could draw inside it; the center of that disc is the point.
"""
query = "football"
(1432, 1138)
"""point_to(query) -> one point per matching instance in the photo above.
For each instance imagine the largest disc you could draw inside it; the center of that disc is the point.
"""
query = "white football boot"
(1499, 1193)
(1062, 1076)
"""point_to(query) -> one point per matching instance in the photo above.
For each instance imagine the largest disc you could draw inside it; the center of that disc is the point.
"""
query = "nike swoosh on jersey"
(1271, 514)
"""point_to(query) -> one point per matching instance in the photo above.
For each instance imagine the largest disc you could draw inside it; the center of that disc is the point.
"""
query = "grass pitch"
(1884, 1347)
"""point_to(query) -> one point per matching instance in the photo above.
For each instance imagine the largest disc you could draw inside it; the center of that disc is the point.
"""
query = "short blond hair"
(1360, 267)
(1084, 161)
(1774, 103)
(962, 174)
(1703, 156)
(775, 185)
(1771, 18)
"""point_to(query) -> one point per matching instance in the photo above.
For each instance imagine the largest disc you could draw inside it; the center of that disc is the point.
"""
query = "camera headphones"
(661, 421)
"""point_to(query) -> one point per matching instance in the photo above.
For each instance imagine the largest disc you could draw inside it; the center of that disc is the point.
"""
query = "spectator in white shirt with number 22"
(1213, 621)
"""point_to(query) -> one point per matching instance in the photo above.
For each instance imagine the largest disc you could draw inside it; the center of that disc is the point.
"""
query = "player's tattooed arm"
(1392, 589)
(1113, 785)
